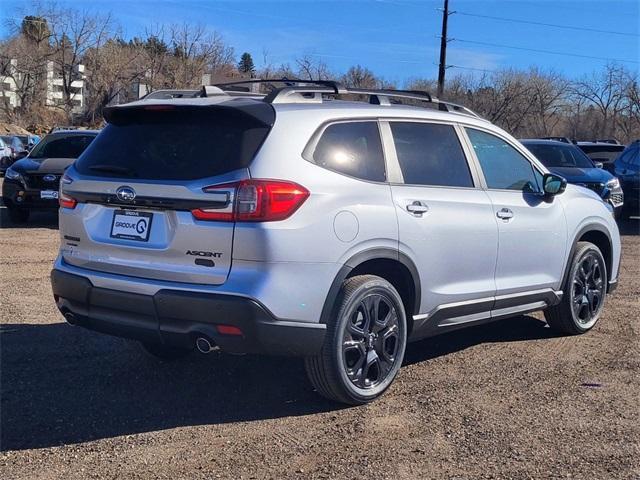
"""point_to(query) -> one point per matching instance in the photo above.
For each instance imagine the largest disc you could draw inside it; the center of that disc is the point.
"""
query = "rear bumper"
(178, 318)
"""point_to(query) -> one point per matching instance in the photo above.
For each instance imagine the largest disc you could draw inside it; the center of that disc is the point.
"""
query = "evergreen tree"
(245, 65)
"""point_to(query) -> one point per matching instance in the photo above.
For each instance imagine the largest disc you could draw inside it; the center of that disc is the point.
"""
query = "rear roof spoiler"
(259, 111)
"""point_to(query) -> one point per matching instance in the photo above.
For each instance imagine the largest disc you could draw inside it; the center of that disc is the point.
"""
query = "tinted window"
(352, 148)
(61, 146)
(559, 155)
(631, 156)
(503, 166)
(174, 145)
(430, 154)
(603, 153)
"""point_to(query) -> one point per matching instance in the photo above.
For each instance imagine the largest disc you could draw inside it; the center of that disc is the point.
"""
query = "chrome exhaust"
(204, 345)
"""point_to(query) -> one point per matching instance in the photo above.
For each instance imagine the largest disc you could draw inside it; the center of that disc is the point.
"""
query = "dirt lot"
(508, 400)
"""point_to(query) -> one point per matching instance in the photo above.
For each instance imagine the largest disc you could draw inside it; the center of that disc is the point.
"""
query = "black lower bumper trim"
(178, 318)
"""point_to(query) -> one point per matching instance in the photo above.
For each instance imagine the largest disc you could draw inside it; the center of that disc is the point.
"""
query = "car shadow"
(64, 385)
(37, 219)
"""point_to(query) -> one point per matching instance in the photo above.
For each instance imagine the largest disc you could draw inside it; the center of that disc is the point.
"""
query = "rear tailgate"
(138, 183)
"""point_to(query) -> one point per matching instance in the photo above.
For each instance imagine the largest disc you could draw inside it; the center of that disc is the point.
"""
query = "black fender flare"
(358, 259)
(574, 244)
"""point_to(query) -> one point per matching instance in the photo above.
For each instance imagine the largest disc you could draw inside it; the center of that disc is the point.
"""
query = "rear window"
(352, 148)
(174, 145)
(61, 146)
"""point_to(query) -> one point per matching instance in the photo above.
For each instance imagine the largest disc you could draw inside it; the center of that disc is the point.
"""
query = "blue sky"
(397, 39)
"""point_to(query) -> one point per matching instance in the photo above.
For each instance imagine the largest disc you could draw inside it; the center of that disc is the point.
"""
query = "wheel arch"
(395, 267)
(598, 235)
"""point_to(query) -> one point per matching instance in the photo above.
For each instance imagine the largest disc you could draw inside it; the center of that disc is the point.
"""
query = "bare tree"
(196, 51)
(23, 59)
(112, 71)
(605, 90)
(360, 77)
(548, 97)
(310, 68)
(73, 34)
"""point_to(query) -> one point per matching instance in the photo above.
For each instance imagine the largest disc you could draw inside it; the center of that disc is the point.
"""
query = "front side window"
(430, 154)
(352, 148)
(503, 166)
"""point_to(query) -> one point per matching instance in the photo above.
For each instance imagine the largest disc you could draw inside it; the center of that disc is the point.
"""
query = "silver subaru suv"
(321, 222)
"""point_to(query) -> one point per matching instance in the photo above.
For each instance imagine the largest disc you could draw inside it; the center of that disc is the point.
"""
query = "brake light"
(158, 108)
(257, 201)
(65, 201)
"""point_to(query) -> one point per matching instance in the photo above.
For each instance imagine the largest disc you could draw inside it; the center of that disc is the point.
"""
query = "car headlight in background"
(613, 183)
(11, 174)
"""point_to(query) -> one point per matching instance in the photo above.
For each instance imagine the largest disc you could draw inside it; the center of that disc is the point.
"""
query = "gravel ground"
(507, 400)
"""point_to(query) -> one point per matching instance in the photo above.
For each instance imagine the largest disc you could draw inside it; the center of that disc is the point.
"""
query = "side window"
(352, 148)
(631, 156)
(503, 166)
(430, 154)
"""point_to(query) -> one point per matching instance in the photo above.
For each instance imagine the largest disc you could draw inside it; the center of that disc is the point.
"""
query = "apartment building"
(11, 77)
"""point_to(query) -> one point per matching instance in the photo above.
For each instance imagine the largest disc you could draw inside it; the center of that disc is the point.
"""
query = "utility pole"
(443, 48)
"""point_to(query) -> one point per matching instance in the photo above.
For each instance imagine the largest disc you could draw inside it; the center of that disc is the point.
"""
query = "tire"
(361, 356)
(18, 215)
(165, 352)
(580, 309)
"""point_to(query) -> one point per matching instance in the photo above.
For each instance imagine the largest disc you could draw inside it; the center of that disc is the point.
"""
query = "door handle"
(417, 208)
(505, 214)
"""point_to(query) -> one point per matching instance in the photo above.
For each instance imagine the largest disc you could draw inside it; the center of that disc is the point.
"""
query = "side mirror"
(599, 164)
(553, 184)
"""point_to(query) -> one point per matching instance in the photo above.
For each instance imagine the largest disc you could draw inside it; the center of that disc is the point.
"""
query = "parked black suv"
(33, 182)
(602, 152)
(627, 169)
(570, 162)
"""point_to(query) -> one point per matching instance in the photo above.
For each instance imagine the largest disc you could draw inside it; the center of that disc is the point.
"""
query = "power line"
(472, 68)
(546, 51)
(555, 25)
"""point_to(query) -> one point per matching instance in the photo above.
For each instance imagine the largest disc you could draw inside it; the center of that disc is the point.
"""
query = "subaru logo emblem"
(49, 178)
(126, 194)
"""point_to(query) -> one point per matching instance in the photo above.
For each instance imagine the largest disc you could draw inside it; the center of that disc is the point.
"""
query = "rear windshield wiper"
(114, 169)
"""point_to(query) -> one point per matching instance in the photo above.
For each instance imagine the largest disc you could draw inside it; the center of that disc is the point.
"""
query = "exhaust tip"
(204, 345)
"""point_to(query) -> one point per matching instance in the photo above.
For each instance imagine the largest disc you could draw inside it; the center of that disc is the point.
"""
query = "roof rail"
(312, 91)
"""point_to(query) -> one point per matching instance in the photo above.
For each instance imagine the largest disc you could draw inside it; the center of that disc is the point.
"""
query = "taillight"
(257, 201)
(65, 201)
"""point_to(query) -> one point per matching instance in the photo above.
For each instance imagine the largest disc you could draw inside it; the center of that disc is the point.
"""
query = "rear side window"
(174, 145)
(352, 148)
(62, 146)
(430, 154)
(503, 166)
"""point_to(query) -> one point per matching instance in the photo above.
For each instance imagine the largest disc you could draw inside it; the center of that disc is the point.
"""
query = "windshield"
(61, 146)
(560, 155)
